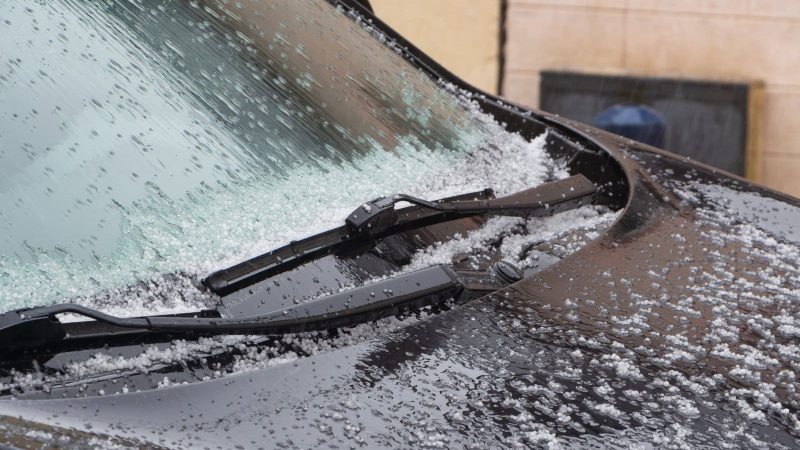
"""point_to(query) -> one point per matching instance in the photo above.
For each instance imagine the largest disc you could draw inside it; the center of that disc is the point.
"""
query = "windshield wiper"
(379, 218)
(34, 328)
(39, 327)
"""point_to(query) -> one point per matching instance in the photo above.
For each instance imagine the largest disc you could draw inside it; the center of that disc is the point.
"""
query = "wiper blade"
(39, 327)
(379, 218)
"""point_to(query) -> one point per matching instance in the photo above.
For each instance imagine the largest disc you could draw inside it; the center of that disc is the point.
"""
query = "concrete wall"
(738, 40)
(462, 35)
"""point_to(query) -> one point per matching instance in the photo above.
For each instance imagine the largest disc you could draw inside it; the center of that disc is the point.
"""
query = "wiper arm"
(40, 327)
(379, 218)
(37, 327)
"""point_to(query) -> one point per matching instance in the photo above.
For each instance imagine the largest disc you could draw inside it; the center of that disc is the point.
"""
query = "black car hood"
(674, 327)
(496, 371)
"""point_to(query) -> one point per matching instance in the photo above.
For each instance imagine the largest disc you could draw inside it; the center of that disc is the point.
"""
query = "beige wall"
(739, 40)
(462, 35)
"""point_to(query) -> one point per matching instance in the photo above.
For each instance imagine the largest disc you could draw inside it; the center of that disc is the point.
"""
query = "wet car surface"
(670, 321)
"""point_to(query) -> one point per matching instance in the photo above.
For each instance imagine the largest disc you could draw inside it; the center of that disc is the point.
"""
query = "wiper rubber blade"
(40, 327)
(37, 327)
(379, 218)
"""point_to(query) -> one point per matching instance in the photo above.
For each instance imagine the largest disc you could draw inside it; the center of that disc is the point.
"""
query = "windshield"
(154, 137)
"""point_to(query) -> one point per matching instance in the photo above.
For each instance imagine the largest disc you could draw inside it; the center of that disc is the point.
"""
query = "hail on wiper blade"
(379, 218)
(34, 328)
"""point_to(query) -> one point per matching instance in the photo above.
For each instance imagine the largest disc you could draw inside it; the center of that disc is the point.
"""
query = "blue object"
(637, 122)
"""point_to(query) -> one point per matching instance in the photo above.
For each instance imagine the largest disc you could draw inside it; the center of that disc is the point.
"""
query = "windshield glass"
(154, 137)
